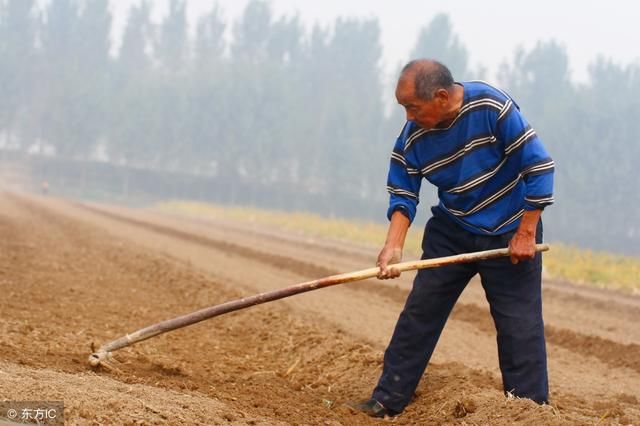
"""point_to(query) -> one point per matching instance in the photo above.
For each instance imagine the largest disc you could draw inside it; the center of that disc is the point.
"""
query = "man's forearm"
(529, 222)
(397, 232)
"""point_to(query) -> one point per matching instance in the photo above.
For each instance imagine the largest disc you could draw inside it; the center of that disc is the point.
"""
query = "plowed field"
(73, 275)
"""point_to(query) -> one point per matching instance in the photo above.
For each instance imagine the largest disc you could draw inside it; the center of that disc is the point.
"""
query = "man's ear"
(442, 95)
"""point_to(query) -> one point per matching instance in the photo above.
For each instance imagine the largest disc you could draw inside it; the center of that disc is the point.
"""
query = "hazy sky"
(490, 29)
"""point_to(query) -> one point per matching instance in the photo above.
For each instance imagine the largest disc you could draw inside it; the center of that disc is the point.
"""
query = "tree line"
(283, 104)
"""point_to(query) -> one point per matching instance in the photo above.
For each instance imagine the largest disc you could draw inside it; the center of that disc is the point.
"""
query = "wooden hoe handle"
(203, 314)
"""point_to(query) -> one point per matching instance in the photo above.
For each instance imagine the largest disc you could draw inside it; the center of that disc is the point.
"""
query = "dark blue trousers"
(513, 293)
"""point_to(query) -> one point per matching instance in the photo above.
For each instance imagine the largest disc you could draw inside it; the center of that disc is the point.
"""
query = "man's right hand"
(388, 256)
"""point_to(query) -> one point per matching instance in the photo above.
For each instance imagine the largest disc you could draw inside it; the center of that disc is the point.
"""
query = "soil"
(75, 276)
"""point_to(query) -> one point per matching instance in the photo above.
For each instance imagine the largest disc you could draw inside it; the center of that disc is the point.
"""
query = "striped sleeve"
(523, 146)
(403, 182)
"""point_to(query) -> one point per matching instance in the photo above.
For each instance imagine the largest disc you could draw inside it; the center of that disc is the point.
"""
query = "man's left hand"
(523, 243)
(522, 246)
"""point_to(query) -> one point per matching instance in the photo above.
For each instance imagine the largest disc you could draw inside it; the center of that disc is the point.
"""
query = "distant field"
(581, 266)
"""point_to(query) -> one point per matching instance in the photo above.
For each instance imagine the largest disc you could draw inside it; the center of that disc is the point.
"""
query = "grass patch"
(596, 268)
(574, 264)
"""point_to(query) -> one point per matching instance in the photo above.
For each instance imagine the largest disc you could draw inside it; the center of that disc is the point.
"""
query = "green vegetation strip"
(577, 265)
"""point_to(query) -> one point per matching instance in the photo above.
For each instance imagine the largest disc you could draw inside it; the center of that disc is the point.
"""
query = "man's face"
(426, 114)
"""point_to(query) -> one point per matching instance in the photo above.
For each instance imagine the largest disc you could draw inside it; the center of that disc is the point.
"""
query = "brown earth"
(73, 275)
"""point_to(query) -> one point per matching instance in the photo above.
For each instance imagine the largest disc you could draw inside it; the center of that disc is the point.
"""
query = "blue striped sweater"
(489, 165)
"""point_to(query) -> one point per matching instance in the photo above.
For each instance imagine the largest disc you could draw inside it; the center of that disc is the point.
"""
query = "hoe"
(103, 353)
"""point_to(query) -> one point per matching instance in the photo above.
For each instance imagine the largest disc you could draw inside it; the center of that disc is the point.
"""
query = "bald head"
(426, 76)
(428, 93)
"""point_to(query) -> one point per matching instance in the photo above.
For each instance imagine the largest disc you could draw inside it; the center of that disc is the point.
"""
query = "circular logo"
(12, 414)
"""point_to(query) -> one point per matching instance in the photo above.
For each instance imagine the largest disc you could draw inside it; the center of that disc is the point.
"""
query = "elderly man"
(494, 178)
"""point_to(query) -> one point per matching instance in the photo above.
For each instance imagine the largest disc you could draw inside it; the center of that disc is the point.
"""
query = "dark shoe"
(373, 408)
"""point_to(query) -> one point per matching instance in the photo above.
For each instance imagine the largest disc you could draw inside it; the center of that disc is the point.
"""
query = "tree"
(251, 33)
(545, 69)
(92, 81)
(92, 37)
(74, 61)
(17, 69)
(438, 41)
(59, 65)
(210, 44)
(171, 48)
(601, 185)
(132, 57)
(131, 103)
(590, 131)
